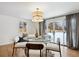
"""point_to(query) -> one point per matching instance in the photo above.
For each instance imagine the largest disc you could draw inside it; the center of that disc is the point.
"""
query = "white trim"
(6, 43)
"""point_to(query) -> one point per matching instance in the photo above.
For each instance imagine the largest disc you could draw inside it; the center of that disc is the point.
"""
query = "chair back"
(34, 46)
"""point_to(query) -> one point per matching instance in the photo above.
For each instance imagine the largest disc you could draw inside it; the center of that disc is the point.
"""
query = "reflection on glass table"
(45, 40)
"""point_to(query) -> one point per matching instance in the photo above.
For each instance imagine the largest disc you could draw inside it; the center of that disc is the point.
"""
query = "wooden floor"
(6, 51)
(66, 52)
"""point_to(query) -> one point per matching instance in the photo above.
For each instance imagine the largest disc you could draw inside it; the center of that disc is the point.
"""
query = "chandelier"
(37, 15)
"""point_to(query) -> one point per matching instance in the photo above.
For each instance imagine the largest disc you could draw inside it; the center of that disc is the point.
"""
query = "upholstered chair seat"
(51, 46)
(54, 47)
(20, 44)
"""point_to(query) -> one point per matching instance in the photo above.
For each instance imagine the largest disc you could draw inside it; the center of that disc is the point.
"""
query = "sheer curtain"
(72, 27)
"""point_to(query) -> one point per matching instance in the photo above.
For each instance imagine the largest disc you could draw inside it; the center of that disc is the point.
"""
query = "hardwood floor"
(6, 51)
(66, 52)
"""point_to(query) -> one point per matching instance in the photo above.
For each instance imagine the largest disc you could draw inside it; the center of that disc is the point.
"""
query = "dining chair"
(18, 45)
(54, 47)
(33, 46)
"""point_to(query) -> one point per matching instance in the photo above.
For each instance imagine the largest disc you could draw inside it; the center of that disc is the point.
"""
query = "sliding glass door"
(56, 29)
(62, 36)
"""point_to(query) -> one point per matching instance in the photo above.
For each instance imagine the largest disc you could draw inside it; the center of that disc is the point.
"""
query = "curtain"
(42, 27)
(72, 28)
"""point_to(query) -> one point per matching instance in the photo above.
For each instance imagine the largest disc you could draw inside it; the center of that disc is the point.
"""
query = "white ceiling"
(24, 9)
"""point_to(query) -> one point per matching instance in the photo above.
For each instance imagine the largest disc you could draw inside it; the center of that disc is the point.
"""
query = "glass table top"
(38, 40)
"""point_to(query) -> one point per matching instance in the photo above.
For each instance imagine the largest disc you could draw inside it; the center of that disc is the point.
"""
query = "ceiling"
(50, 9)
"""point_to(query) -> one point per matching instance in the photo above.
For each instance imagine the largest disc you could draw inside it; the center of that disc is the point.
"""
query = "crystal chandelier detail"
(37, 15)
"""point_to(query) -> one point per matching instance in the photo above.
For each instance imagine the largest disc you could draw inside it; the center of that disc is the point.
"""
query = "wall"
(9, 28)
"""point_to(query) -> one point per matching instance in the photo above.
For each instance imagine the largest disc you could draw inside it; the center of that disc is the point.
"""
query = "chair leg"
(27, 52)
(13, 51)
(46, 52)
(60, 54)
(40, 54)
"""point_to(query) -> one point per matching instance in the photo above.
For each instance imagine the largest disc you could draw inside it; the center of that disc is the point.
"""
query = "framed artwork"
(50, 26)
(53, 26)
(22, 27)
(58, 26)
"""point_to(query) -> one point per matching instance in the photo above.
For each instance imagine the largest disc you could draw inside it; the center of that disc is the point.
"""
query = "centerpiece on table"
(36, 34)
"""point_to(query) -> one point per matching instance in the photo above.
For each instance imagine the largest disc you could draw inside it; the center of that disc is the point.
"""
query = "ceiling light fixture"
(37, 15)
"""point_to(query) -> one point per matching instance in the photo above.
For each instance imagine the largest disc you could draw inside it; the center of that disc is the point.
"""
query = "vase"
(36, 35)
